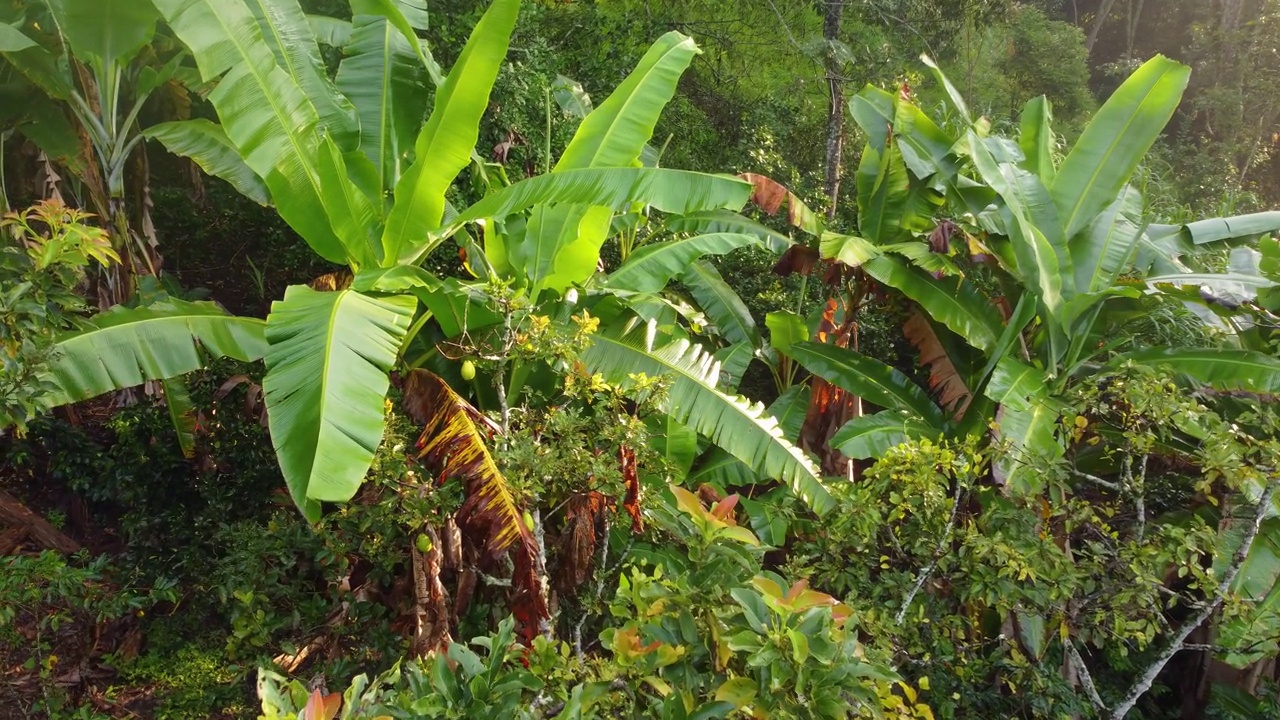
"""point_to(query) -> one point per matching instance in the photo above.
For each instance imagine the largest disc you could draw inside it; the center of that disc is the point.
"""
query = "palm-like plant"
(97, 64)
(1065, 243)
(363, 180)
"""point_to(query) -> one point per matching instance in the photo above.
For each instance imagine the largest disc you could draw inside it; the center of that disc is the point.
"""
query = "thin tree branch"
(1085, 678)
(937, 555)
(1149, 676)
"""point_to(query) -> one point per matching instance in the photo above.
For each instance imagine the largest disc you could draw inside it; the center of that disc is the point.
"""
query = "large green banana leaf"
(1120, 134)
(616, 131)
(1107, 246)
(264, 113)
(723, 221)
(868, 378)
(1035, 230)
(563, 242)
(1219, 368)
(326, 383)
(1163, 246)
(871, 436)
(1027, 419)
(407, 16)
(651, 267)
(445, 144)
(1036, 140)
(124, 347)
(740, 428)
(549, 232)
(207, 145)
(720, 468)
(289, 35)
(107, 31)
(952, 301)
(721, 304)
(383, 78)
(673, 191)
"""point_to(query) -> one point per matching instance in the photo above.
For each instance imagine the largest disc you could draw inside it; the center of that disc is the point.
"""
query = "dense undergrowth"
(444, 394)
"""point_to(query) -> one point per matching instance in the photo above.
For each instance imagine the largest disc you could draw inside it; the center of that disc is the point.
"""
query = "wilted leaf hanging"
(453, 444)
(631, 479)
(944, 380)
(769, 195)
(830, 406)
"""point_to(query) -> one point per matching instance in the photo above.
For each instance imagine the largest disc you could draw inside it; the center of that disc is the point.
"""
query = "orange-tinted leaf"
(796, 589)
(631, 480)
(724, 510)
(322, 707)
(830, 407)
(452, 442)
(944, 380)
(769, 195)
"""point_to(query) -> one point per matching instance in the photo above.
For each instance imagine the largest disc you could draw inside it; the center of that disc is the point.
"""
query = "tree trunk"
(15, 514)
(835, 115)
(1135, 16)
(1098, 21)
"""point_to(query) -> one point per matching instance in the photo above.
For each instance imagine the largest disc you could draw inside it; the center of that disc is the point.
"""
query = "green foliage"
(43, 255)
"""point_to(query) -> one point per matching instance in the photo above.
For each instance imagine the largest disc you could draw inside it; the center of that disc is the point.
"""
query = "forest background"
(170, 575)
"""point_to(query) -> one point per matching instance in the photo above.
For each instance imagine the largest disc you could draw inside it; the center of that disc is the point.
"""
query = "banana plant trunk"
(836, 110)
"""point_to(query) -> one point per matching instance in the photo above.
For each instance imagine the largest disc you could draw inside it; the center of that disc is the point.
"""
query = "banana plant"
(97, 64)
(338, 169)
(1067, 245)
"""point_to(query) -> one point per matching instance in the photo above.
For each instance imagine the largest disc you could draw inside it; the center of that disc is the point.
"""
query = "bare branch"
(1149, 676)
(937, 555)
(1085, 678)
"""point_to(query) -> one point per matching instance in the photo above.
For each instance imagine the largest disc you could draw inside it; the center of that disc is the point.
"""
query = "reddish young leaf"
(631, 479)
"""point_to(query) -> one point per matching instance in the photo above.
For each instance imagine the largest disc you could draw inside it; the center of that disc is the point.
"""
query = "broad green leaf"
(1027, 419)
(384, 79)
(571, 98)
(734, 361)
(848, 249)
(883, 184)
(1034, 228)
(12, 39)
(742, 429)
(721, 304)
(565, 241)
(1016, 384)
(182, 414)
(723, 221)
(721, 469)
(108, 31)
(406, 16)
(1036, 140)
(952, 301)
(871, 436)
(957, 100)
(1119, 135)
(445, 144)
(325, 386)
(1107, 246)
(289, 35)
(873, 110)
(264, 113)
(207, 145)
(124, 347)
(616, 131)
(1219, 368)
(785, 330)
(352, 214)
(868, 378)
(334, 32)
(1212, 230)
(650, 268)
(673, 191)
